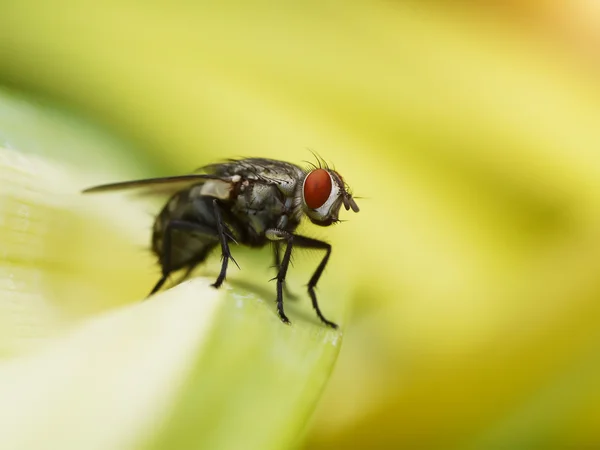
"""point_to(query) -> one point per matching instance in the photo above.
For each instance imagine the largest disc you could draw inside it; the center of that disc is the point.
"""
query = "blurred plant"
(473, 263)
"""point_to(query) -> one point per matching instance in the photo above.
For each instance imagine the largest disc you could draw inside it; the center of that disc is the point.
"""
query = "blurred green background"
(473, 131)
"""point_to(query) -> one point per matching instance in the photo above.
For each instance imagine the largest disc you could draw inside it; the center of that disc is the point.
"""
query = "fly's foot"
(225, 257)
(284, 318)
(282, 315)
(313, 297)
(328, 323)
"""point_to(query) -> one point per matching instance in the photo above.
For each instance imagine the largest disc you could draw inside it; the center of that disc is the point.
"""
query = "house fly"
(250, 202)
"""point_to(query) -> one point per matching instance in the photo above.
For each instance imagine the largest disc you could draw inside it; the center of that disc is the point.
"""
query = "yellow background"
(473, 134)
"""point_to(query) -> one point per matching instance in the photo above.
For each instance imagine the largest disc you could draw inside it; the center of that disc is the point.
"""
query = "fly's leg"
(278, 235)
(158, 285)
(277, 257)
(305, 242)
(188, 271)
(302, 242)
(202, 256)
(223, 233)
(165, 260)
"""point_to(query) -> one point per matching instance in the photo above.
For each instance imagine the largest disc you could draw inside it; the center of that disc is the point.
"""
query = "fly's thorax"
(260, 206)
(282, 174)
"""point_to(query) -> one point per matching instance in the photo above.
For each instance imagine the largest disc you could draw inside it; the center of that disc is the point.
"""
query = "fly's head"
(323, 194)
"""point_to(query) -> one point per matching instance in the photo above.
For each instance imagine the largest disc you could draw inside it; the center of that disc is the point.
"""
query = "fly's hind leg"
(223, 234)
(165, 259)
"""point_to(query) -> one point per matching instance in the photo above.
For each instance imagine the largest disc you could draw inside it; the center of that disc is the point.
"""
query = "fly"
(249, 202)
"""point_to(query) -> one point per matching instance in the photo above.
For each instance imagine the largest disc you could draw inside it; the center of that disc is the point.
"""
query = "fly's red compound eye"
(317, 188)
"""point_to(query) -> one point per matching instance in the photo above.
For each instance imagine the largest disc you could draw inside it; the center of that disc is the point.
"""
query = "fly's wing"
(212, 185)
(270, 171)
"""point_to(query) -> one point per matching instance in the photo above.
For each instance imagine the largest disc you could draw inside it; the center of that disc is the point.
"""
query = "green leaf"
(86, 364)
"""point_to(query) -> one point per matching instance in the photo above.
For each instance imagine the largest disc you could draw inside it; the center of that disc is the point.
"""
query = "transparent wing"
(157, 186)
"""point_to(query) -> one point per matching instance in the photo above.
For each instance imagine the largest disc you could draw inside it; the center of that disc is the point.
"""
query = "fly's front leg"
(306, 242)
(303, 242)
(223, 232)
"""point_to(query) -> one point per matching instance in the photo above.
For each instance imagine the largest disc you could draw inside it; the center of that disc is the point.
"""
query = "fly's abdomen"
(185, 231)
